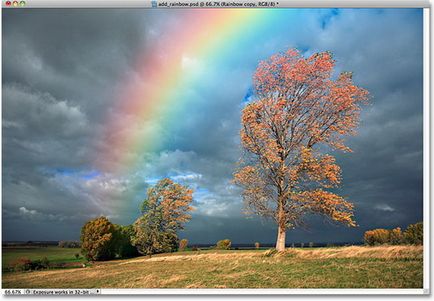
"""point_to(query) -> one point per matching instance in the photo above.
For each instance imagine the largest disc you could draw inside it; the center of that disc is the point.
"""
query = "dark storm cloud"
(62, 68)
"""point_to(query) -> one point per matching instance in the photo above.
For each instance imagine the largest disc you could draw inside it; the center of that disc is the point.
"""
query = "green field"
(54, 254)
(346, 267)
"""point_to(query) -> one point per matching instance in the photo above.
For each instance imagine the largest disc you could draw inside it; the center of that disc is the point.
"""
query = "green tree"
(97, 239)
(123, 245)
(164, 212)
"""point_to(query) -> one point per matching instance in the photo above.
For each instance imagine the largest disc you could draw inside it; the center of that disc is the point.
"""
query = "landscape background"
(65, 73)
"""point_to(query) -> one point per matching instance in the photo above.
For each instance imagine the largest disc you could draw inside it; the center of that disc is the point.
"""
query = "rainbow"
(150, 96)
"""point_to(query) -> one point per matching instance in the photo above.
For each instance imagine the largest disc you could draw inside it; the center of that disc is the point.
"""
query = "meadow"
(338, 267)
(52, 253)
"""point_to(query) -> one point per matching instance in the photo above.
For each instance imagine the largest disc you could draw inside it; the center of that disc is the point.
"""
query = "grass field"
(345, 267)
(54, 254)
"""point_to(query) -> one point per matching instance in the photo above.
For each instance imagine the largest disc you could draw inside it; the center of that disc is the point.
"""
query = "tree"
(298, 112)
(414, 234)
(122, 241)
(377, 237)
(183, 243)
(165, 210)
(395, 236)
(97, 239)
(224, 244)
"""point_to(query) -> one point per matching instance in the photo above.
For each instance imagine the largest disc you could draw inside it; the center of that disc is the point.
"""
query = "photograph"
(242, 147)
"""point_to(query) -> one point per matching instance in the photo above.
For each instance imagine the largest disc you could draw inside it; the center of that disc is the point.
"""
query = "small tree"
(183, 244)
(299, 111)
(414, 234)
(224, 244)
(165, 210)
(395, 236)
(97, 239)
(377, 237)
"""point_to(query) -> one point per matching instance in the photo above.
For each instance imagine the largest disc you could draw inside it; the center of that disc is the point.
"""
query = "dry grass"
(346, 267)
(383, 252)
(209, 256)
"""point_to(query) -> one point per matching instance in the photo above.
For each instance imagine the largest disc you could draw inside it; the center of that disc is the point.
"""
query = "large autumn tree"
(164, 212)
(299, 112)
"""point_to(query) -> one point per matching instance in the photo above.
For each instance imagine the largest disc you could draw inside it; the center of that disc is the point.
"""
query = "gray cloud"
(62, 70)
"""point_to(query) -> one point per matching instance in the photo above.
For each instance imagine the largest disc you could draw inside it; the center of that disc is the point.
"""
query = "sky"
(100, 104)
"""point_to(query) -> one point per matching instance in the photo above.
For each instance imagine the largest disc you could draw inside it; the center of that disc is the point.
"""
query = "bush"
(395, 236)
(45, 263)
(97, 239)
(376, 237)
(22, 264)
(183, 243)
(257, 245)
(414, 234)
(77, 256)
(224, 244)
(39, 264)
(195, 248)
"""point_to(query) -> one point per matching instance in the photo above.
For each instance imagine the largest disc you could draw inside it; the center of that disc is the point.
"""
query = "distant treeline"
(77, 244)
(30, 243)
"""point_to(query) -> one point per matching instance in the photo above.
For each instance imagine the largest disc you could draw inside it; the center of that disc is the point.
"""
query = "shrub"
(183, 243)
(97, 241)
(414, 234)
(45, 263)
(224, 244)
(376, 237)
(395, 236)
(22, 264)
(194, 248)
(257, 245)
(77, 256)
(36, 265)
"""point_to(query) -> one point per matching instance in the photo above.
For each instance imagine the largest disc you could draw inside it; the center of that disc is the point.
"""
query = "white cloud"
(384, 207)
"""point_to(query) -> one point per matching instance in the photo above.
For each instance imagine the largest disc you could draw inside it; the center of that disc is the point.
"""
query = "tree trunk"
(281, 236)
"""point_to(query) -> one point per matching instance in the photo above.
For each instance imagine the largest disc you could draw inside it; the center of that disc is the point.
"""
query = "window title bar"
(18, 4)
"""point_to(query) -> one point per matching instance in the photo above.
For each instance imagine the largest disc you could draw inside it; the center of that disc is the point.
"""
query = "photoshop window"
(211, 147)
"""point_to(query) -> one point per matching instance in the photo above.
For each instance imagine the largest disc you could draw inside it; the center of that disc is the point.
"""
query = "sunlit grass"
(241, 269)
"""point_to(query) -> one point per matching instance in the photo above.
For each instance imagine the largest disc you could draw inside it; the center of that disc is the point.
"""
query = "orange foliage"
(173, 200)
(299, 108)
